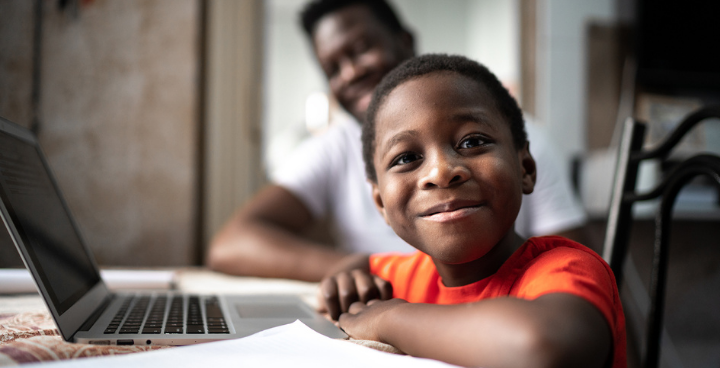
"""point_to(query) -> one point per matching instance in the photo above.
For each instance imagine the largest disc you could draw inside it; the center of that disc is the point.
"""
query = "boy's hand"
(363, 320)
(341, 290)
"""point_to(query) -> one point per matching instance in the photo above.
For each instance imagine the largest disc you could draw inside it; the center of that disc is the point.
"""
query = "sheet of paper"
(294, 345)
(14, 281)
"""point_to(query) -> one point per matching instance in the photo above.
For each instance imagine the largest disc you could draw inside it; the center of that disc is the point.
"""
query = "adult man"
(356, 43)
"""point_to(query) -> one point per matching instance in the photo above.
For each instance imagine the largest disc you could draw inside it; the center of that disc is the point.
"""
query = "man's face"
(355, 51)
(449, 177)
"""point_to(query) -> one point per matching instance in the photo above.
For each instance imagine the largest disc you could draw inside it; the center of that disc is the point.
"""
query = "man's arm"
(264, 238)
(555, 330)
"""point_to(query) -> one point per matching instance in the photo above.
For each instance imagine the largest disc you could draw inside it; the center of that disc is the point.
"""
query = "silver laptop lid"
(43, 230)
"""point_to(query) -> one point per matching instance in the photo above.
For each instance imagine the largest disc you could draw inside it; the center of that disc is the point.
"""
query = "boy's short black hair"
(315, 10)
(426, 64)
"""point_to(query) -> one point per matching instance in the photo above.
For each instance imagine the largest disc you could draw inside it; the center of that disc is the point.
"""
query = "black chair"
(624, 195)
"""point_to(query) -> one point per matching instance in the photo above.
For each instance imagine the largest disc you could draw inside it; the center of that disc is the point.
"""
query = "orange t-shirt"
(543, 265)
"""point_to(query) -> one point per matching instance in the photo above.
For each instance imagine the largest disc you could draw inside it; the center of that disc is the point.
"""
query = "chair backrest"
(624, 195)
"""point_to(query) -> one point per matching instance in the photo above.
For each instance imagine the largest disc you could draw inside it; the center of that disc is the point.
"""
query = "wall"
(561, 91)
(119, 119)
(289, 76)
(232, 142)
(493, 38)
(16, 34)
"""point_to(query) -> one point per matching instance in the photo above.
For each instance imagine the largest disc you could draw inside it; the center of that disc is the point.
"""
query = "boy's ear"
(377, 199)
(529, 170)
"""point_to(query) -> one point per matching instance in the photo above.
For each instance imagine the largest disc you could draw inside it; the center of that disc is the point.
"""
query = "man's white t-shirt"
(552, 206)
(327, 174)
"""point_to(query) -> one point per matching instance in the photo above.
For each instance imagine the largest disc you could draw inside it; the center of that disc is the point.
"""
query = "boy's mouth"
(450, 211)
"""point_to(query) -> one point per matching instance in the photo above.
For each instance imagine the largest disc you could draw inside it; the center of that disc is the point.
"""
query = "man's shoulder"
(336, 141)
(342, 135)
(343, 124)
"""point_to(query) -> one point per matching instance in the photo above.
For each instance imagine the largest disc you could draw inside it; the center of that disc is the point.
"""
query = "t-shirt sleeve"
(573, 271)
(404, 271)
(390, 266)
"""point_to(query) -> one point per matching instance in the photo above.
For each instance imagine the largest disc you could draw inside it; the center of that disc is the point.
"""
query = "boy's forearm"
(503, 332)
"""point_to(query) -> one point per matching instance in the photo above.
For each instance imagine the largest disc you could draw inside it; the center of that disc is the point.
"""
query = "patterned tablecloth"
(31, 337)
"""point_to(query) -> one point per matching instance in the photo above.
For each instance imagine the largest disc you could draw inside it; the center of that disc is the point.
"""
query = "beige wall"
(232, 171)
(16, 32)
(15, 85)
(119, 119)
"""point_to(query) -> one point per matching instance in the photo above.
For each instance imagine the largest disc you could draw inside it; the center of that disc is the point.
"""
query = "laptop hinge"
(96, 314)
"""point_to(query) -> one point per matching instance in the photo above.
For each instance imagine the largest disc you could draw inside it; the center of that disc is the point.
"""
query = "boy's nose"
(443, 172)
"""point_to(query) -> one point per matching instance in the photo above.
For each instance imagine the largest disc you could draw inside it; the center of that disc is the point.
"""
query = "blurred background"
(160, 117)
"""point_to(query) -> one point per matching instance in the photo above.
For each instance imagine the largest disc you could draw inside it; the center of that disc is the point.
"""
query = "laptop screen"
(43, 222)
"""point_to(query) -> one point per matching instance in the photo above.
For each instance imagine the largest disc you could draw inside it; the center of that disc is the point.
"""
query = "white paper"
(13, 281)
(294, 345)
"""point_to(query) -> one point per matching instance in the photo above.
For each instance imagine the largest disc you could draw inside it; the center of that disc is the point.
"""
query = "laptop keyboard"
(154, 316)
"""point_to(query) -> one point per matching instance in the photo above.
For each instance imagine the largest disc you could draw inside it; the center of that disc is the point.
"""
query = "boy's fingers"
(365, 286)
(356, 307)
(384, 287)
(346, 290)
(346, 322)
(321, 308)
(329, 290)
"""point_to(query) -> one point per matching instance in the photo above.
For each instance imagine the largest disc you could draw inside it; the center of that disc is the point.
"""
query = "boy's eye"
(473, 141)
(405, 158)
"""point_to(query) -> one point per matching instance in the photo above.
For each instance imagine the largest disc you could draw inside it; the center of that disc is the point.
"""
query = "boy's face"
(449, 179)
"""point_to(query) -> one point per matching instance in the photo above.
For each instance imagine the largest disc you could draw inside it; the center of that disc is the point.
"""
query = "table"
(28, 333)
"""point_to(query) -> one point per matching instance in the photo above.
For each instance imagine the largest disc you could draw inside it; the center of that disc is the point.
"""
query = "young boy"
(448, 159)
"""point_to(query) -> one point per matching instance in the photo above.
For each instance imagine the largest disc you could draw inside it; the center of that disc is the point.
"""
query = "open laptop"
(69, 281)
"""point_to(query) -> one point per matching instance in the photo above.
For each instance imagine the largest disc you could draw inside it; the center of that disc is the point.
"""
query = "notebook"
(67, 277)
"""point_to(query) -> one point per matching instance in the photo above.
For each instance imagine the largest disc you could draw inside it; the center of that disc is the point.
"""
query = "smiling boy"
(448, 159)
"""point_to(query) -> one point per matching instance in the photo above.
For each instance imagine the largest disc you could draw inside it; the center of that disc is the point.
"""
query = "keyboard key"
(173, 330)
(195, 329)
